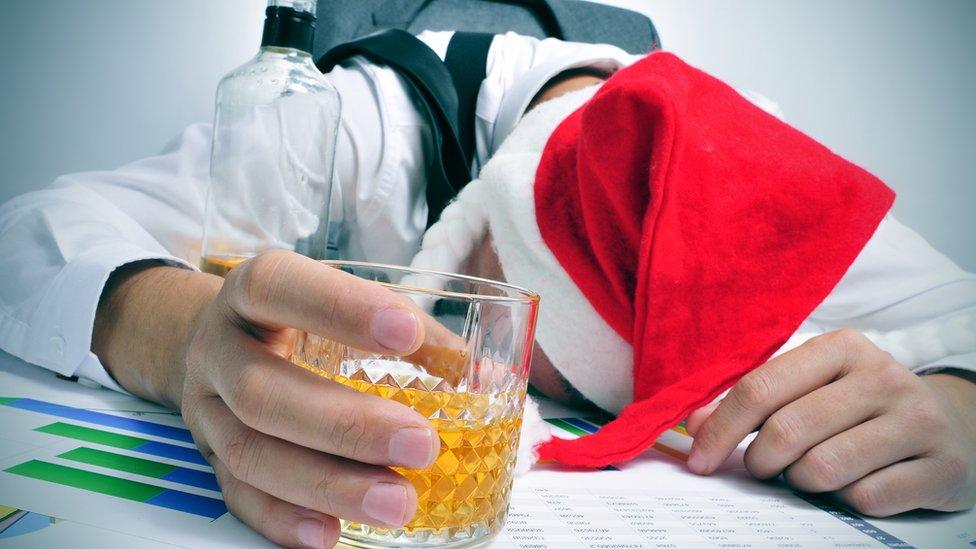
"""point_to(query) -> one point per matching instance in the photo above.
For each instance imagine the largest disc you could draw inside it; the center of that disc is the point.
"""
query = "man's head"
(483, 262)
(489, 231)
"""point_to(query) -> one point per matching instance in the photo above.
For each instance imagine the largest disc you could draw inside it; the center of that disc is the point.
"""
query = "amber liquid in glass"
(468, 486)
(220, 264)
(470, 480)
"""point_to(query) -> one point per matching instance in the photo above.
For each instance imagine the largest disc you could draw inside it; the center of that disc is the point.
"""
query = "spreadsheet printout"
(620, 518)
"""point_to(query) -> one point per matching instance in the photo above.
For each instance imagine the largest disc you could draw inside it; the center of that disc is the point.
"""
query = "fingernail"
(394, 329)
(697, 463)
(386, 503)
(413, 447)
(311, 533)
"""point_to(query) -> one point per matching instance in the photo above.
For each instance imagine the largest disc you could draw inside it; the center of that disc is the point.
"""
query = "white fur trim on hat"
(534, 432)
(570, 332)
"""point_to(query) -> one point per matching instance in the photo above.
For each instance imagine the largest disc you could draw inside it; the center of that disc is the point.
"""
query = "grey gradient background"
(888, 84)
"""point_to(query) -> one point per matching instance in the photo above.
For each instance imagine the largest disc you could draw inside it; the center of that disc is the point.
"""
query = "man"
(101, 285)
(100, 282)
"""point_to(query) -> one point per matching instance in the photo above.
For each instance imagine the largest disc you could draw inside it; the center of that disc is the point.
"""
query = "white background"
(887, 83)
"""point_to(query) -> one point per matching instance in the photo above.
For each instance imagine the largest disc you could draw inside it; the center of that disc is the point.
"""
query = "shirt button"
(56, 345)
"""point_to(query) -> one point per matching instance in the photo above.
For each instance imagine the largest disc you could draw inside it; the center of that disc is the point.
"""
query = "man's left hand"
(837, 414)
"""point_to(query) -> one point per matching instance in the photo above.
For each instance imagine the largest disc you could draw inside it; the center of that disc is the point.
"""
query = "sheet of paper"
(114, 470)
(609, 510)
(99, 460)
(655, 502)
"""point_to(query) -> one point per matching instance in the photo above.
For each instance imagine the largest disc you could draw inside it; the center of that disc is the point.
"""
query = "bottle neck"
(286, 27)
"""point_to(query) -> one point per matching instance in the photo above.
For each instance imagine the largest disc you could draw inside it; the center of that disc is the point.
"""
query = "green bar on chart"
(567, 427)
(119, 462)
(86, 480)
(87, 434)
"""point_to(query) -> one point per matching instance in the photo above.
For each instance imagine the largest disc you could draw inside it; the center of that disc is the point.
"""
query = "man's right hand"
(292, 451)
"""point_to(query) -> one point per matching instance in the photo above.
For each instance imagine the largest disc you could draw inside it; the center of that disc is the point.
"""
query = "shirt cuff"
(958, 362)
(58, 336)
(91, 370)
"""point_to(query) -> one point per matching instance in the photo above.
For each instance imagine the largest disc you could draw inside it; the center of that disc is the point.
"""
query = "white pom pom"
(535, 431)
(451, 240)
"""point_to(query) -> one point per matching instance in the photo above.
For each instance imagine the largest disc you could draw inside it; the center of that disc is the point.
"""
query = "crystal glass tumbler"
(468, 378)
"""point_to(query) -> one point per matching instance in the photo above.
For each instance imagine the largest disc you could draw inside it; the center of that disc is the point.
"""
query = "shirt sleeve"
(385, 204)
(60, 244)
(518, 67)
(384, 142)
(908, 298)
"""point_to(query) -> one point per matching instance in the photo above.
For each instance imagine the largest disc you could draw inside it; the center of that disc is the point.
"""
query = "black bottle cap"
(286, 27)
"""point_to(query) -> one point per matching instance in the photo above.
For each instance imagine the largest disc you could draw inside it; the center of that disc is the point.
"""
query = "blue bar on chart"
(189, 503)
(584, 425)
(192, 477)
(121, 488)
(126, 442)
(172, 451)
(99, 418)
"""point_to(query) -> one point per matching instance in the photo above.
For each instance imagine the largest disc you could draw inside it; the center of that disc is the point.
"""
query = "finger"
(443, 353)
(279, 521)
(274, 396)
(800, 425)
(766, 389)
(854, 454)
(283, 289)
(915, 484)
(698, 417)
(334, 486)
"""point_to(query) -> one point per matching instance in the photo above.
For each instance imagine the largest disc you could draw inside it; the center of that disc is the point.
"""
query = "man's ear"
(565, 82)
(483, 261)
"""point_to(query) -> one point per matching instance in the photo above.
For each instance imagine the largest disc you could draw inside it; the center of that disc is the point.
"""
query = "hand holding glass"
(468, 378)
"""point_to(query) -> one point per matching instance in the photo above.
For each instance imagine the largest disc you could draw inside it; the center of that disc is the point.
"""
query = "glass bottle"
(274, 141)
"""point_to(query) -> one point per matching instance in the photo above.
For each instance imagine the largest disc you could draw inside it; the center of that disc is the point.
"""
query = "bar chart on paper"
(78, 452)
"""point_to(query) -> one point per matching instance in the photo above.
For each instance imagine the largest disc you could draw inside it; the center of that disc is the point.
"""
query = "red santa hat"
(678, 236)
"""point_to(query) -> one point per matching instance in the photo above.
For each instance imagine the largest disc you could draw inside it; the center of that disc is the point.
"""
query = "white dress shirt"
(59, 245)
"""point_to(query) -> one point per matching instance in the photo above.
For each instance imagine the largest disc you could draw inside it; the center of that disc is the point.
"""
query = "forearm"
(144, 319)
(59, 245)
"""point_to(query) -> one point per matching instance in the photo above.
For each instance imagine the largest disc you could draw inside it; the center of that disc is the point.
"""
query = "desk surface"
(53, 433)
